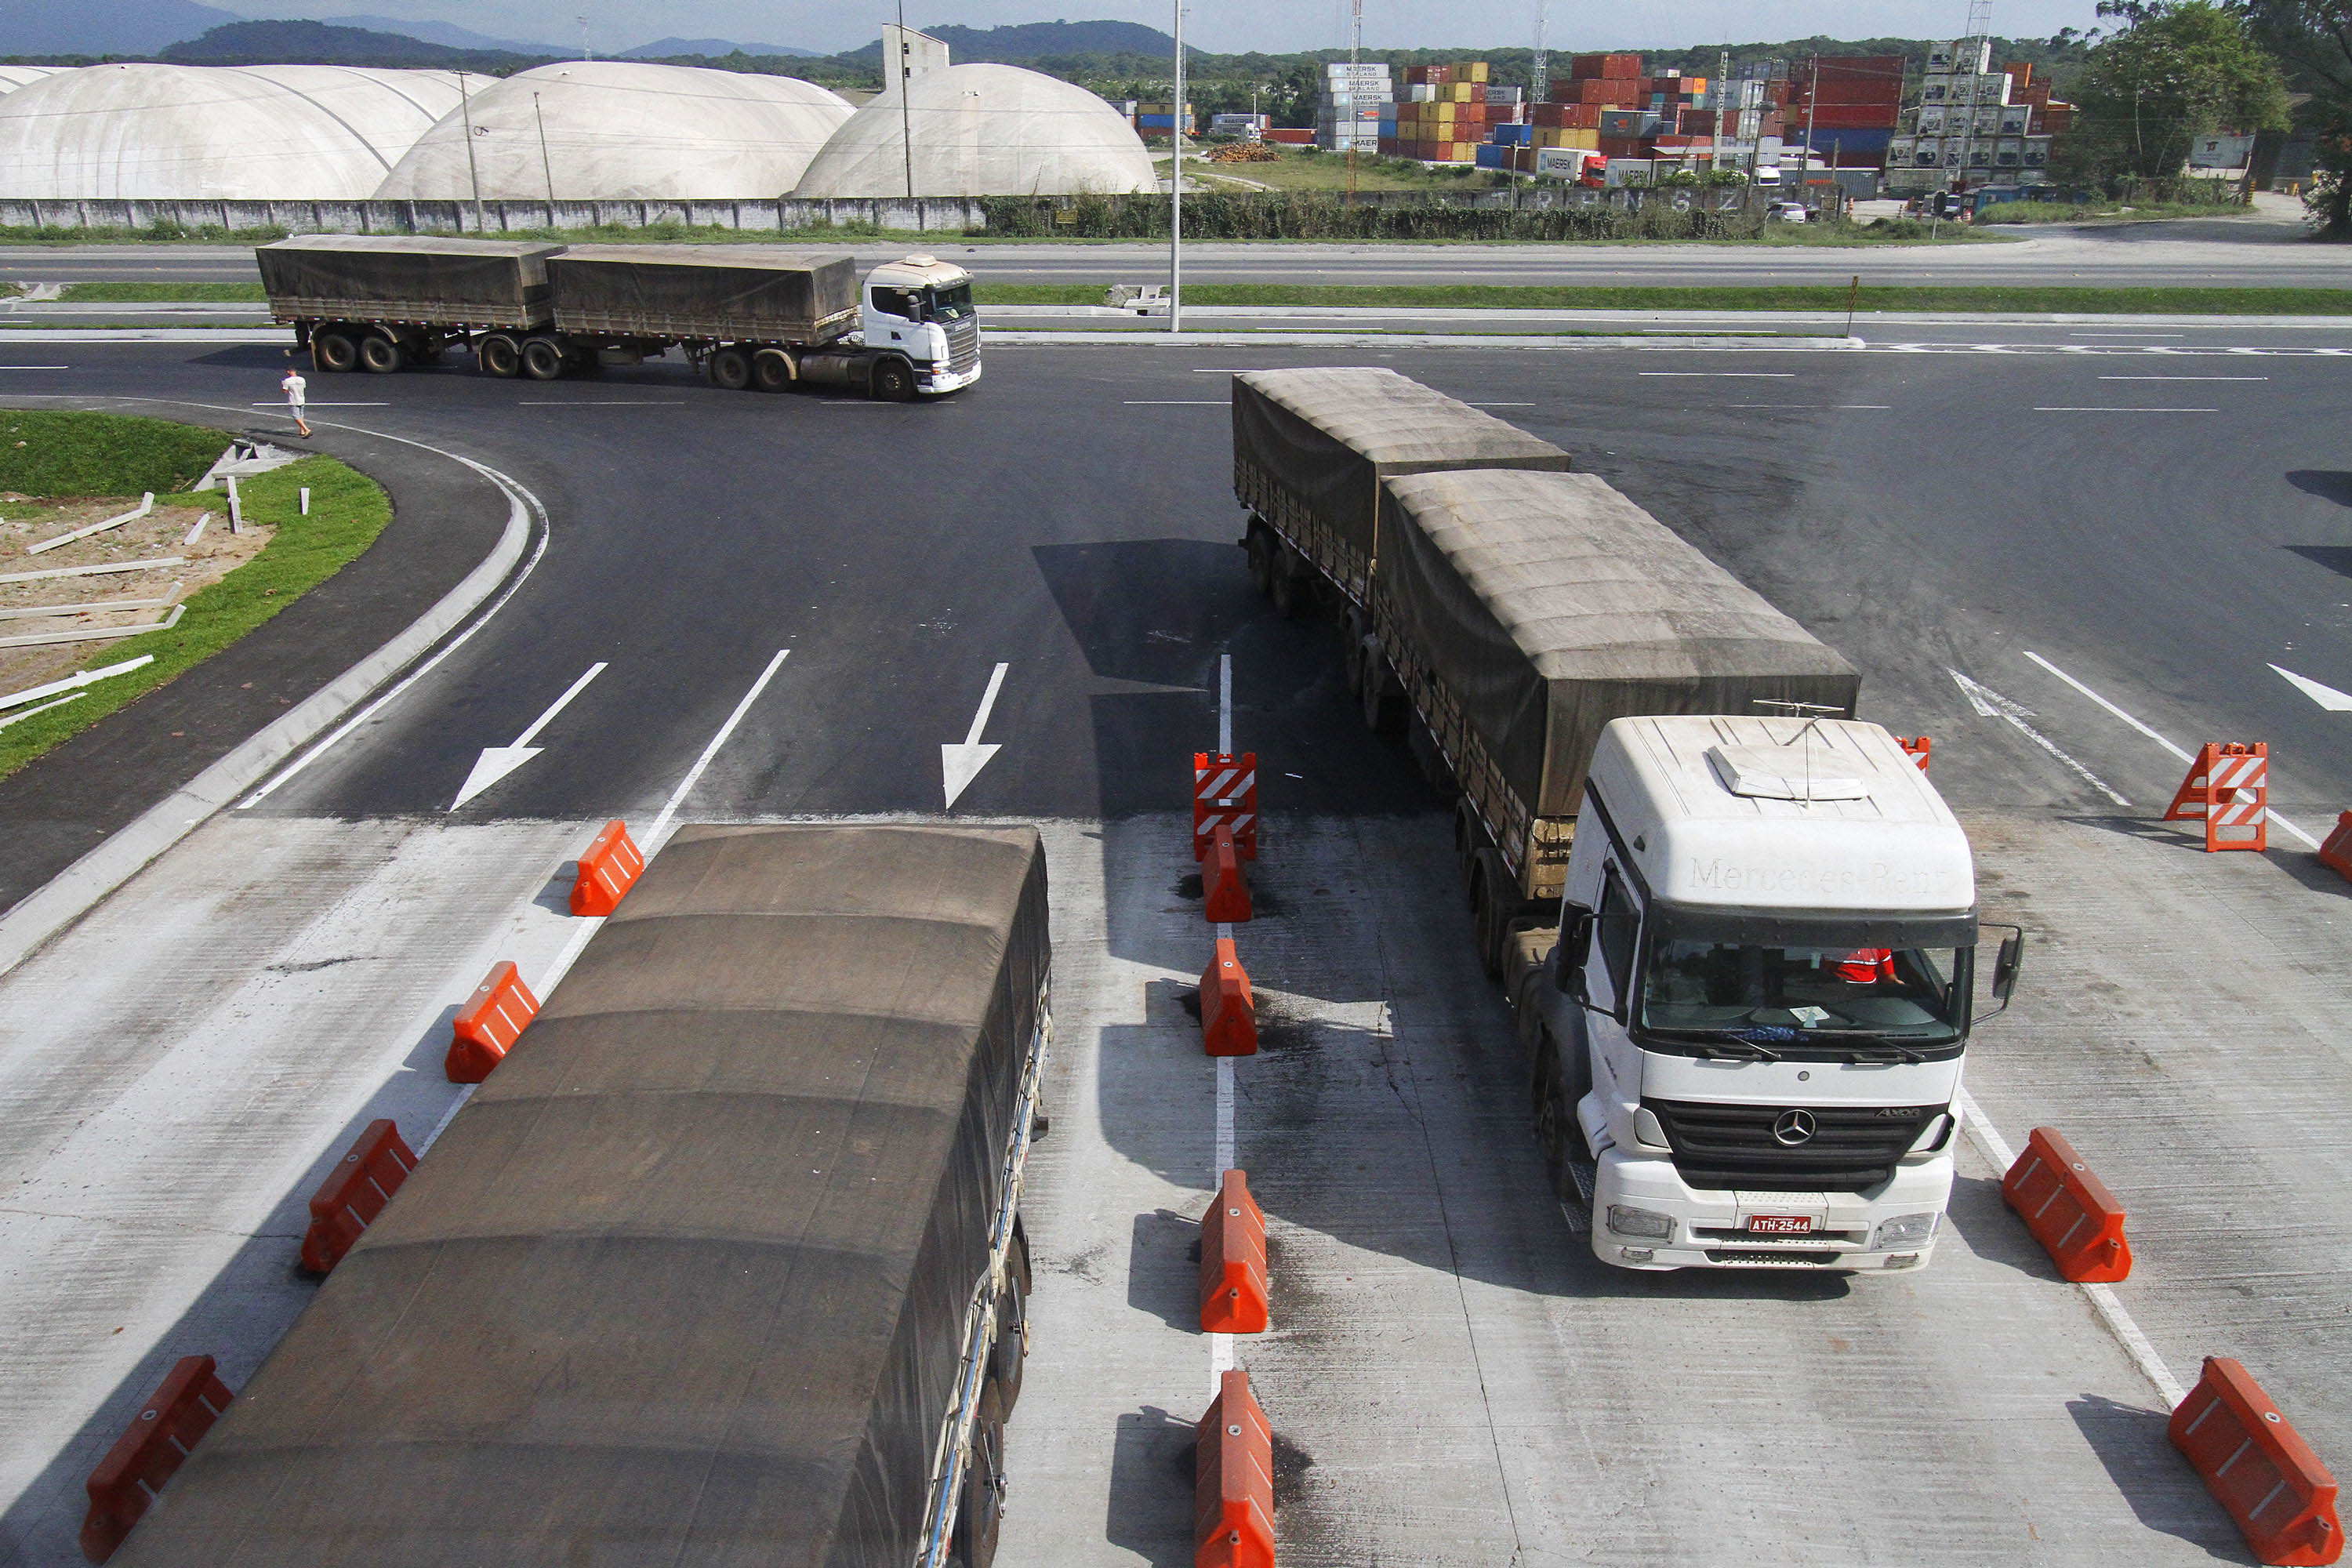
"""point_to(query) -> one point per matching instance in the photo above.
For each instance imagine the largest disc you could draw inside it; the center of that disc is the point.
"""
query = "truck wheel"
(1009, 1353)
(379, 353)
(980, 1511)
(1383, 705)
(771, 370)
(893, 381)
(1292, 593)
(542, 359)
(1261, 561)
(499, 356)
(1020, 1250)
(1496, 905)
(1555, 1124)
(334, 350)
(731, 368)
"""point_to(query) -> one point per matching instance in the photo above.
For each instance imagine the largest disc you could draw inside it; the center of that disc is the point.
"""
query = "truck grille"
(963, 344)
(1733, 1147)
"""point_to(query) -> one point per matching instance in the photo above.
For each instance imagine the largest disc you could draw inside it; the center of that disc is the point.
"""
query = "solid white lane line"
(1730, 375)
(36, 367)
(1223, 1152)
(1175, 402)
(2104, 1300)
(2309, 842)
(2127, 334)
(2184, 378)
(658, 834)
(2096, 410)
(280, 403)
(2327, 697)
(1991, 704)
(602, 403)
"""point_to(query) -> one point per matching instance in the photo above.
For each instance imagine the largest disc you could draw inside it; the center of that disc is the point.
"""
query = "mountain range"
(717, 48)
(1022, 42)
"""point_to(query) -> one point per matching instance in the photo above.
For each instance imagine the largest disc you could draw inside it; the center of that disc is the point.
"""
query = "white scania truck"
(1757, 1009)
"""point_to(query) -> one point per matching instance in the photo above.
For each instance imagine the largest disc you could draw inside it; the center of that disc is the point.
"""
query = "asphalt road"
(2267, 251)
(2144, 522)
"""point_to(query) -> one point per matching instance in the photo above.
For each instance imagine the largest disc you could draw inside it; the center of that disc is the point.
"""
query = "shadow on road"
(2131, 1443)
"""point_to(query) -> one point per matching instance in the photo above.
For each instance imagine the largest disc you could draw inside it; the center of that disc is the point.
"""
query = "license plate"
(1781, 1224)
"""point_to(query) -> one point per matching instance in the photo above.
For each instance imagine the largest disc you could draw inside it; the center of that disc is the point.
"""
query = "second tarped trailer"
(708, 1271)
(408, 278)
(1523, 612)
(729, 294)
(1311, 448)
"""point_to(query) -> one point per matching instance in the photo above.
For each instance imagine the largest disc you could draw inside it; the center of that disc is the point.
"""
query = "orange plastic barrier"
(489, 1024)
(1222, 880)
(2337, 853)
(2070, 1211)
(1225, 793)
(1233, 1480)
(1236, 1294)
(1918, 749)
(606, 871)
(1228, 1010)
(354, 1193)
(184, 1408)
(2228, 786)
(2258, 1467)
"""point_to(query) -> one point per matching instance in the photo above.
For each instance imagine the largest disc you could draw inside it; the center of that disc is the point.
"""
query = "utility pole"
(1813, 101)
(1176, 186)
(1972, 50)
(472, 171)
(546, 164)
(904, 65)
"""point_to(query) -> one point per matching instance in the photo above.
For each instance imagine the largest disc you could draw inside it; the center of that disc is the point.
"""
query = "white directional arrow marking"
(2327, 697)
(497, 762)
(961, 764)
(1991, 704)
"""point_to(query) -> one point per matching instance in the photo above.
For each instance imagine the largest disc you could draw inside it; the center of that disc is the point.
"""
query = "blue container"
(1491, 156)
(1511, 135)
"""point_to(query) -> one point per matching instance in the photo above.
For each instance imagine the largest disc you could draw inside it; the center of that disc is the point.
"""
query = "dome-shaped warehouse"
(214, 133)
(984, 131)
(622, 130)
(13, 77)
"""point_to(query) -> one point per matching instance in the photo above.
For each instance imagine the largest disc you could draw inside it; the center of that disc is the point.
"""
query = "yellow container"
(1588, 140)
(1474, 71)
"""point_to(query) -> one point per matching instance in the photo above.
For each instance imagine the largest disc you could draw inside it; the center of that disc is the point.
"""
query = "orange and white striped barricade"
(1224, 794)
(2229, 785)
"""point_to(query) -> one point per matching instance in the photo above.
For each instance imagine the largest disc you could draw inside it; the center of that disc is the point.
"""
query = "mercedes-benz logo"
(1794, 1127)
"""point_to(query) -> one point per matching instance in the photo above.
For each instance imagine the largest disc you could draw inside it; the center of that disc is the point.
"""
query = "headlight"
(1641, 1222)
(1903, 1230)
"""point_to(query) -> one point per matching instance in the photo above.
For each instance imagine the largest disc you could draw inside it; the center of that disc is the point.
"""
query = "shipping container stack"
(1444, 113)
(1159, 119)
(1357, 102)
(1249, 127)
(1975, 125)
(1606, 105)
(1849, 107)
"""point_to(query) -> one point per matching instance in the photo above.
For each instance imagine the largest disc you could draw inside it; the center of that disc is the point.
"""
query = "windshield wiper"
(1886, 1051)
(1713, 1045)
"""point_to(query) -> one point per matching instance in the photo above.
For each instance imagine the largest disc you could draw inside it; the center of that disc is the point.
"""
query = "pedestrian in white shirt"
(295, 387)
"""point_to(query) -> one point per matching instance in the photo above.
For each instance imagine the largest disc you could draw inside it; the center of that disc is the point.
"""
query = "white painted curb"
(74, 891)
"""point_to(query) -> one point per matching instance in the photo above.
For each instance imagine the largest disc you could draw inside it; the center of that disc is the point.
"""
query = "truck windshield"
(1842, 997)
(952, 303)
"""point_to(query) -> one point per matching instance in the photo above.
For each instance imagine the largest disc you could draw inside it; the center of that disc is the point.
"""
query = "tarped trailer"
(710, 1271)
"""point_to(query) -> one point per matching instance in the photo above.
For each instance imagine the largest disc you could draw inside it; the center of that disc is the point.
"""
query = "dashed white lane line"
(1723, 374)
(1174, 402)
(650, 846)
(2308, 841)
(2102, 1299)
(2184, 378)
(2100, 410)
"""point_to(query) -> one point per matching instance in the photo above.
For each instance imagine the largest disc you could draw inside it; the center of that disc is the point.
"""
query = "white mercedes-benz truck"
(1760, 998)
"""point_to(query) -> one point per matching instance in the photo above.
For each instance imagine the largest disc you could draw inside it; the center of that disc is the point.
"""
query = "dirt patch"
(165, 567)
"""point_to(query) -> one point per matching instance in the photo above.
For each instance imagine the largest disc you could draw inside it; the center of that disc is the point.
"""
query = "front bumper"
(1709, 1227)
(931, 383)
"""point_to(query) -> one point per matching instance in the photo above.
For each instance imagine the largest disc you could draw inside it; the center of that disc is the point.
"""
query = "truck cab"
(921, 307)
(1759, 1004)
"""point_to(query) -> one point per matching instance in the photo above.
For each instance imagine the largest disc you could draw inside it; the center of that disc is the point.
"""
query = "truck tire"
(499, 356)
(1496, 902)
(772, 371)
(1351, 648)
(1433, 766)
(1555, 1123)
(1261, 548)
(1383, 705)
(334, 350)
(1021, 1258)
(542, 359)
(1293, 591)
(380, 354)
(1009, 1354)
(731, 368)
(980, 1506)
(892, 380)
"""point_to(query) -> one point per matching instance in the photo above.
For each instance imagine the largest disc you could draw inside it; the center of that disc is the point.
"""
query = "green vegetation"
(160, 232)
(2104, 211)
(2177, 70)
(2314, 39)
(57, 455)
(1793, 296)
(138, 292)
(347, 511)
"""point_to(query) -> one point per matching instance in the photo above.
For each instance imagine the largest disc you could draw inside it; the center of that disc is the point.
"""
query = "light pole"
(472, 171)
(1176, 186)
(546, 164)
(904, 65)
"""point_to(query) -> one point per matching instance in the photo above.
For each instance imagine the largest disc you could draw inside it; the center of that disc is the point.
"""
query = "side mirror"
(2006, 962)
(2005, 965)
(1575, 943)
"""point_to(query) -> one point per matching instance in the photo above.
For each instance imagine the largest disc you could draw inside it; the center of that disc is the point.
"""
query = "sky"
(1222, 25)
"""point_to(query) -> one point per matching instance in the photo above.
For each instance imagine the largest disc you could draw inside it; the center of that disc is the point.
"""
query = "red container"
(1582, 66)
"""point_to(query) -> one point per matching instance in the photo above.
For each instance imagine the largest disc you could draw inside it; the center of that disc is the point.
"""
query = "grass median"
(2212, 301)
(60, 454)
(136, 293)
